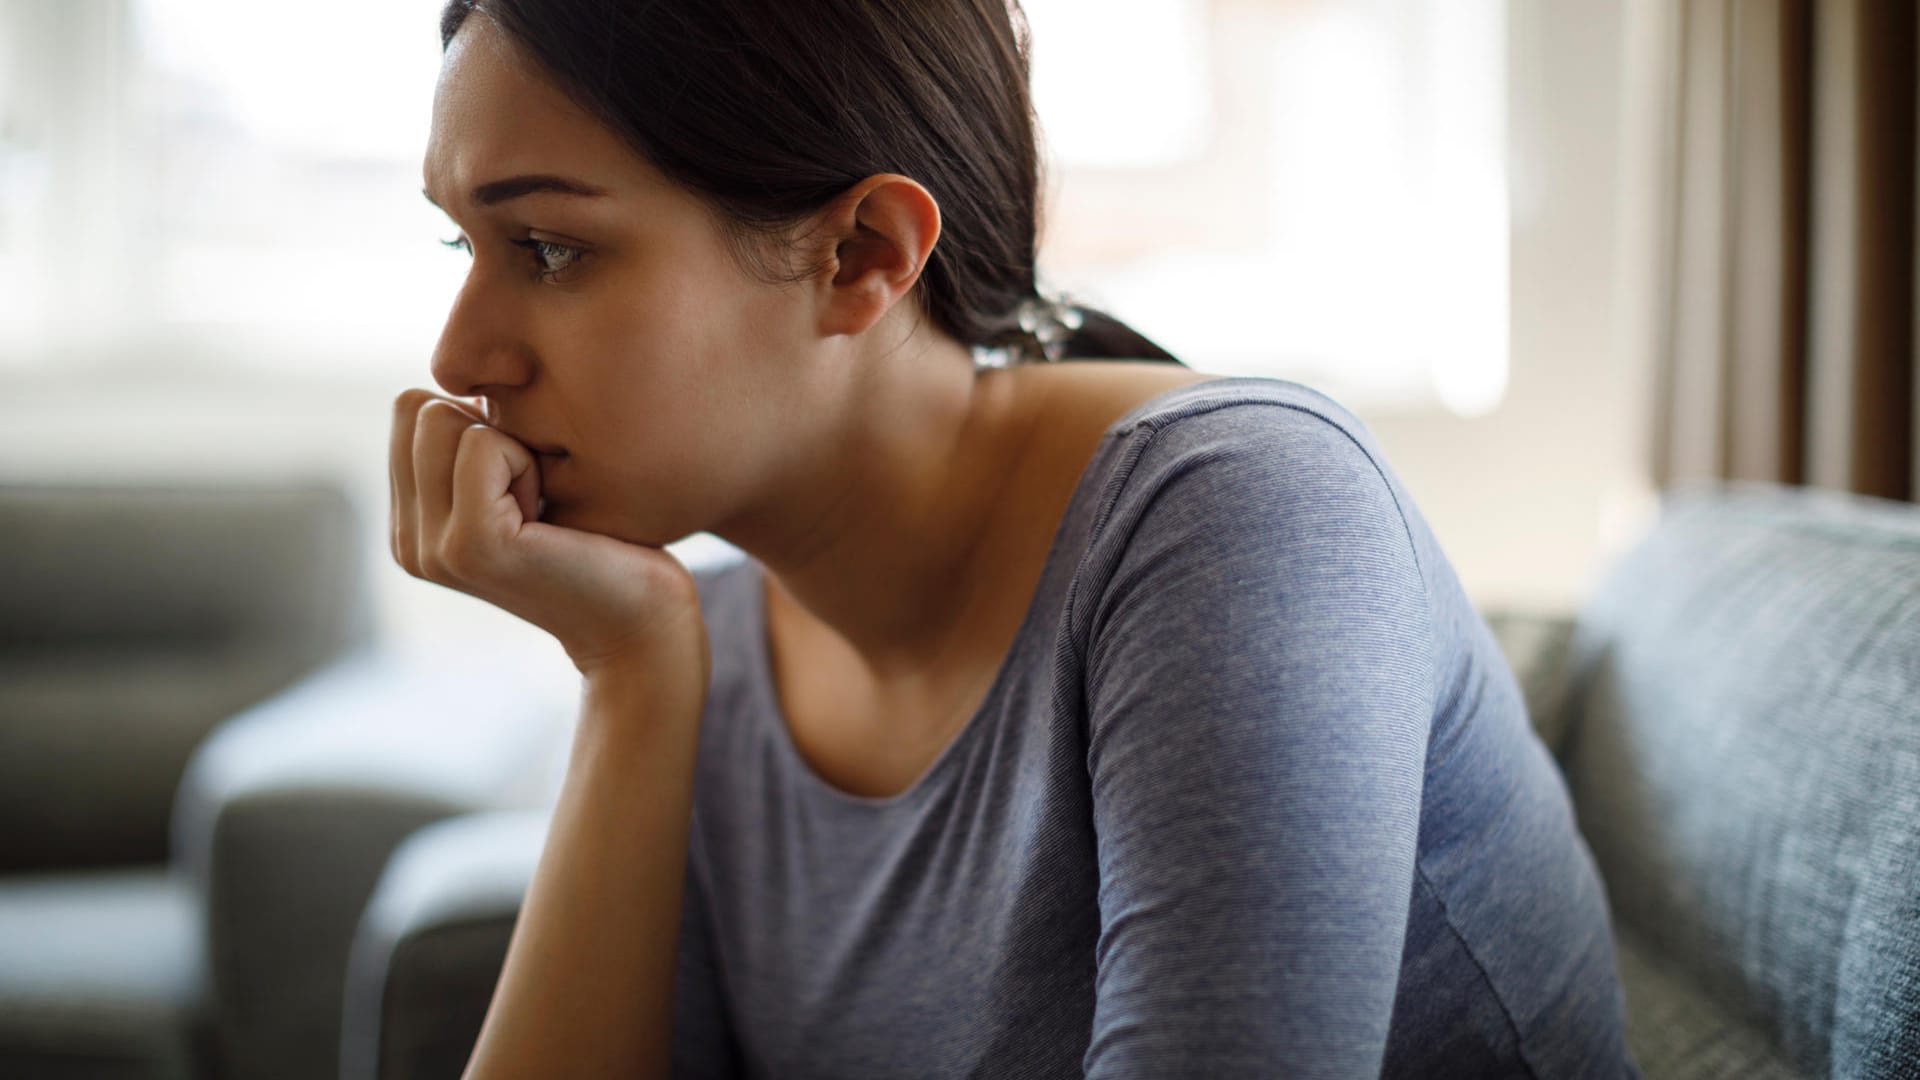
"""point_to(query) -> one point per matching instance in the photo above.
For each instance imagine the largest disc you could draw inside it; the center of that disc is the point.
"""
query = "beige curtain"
(1787, 350)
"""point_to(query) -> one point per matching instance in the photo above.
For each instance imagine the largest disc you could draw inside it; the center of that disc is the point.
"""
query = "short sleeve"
(1258, 687)
(704, 1047)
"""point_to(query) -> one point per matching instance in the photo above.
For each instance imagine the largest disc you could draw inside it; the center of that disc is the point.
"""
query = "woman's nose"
(478, 348)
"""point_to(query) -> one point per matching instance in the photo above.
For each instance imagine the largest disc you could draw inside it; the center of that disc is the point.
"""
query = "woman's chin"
(571, 515)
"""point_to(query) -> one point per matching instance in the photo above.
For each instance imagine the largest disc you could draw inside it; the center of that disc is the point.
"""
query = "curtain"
(1786, 348)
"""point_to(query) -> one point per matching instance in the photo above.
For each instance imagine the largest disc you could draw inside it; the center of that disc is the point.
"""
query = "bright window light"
(1313, 189)
(1103, 114)
(1334, 212)
(351, 81)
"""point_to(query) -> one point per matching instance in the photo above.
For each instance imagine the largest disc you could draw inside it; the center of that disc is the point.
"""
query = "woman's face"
(603, 314)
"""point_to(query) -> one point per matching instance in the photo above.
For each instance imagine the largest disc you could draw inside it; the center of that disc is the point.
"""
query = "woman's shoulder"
(1244, 481)
(1227, 438)
(1254, 406)
(1164, 413)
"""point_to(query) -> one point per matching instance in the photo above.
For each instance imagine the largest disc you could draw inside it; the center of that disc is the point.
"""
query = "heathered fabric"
(1253, 794)
(1745, 691)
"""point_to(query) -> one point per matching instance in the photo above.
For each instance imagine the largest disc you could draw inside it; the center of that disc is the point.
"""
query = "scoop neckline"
(762, 658)
(776, 716)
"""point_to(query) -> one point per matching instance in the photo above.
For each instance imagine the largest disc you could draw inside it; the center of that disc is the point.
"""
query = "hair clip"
(1045, 327)
(1042, 329)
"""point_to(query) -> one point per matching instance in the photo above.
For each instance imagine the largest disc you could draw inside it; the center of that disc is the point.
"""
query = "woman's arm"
(588, 984)
(1258, 688)
(587, 989)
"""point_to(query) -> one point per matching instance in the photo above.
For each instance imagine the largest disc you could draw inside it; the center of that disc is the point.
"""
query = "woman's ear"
(878, 235)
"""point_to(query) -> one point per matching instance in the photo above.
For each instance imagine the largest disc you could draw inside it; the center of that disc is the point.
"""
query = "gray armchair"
(204, 765)
(289, 812)
(1737, 712)
(432, 942)
(132, 622)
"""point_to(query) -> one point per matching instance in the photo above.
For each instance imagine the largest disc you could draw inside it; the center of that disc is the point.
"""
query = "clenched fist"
(466, 500)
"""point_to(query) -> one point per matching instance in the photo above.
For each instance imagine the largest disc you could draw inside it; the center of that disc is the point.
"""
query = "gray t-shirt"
(1253, 794)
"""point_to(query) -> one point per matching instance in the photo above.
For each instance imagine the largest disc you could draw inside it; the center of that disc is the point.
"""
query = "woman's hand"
(465, 499)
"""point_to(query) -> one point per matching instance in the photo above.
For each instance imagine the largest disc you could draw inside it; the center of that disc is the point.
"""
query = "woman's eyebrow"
(495, 192)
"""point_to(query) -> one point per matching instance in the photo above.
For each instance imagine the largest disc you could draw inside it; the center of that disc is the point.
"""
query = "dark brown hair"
(768, 109)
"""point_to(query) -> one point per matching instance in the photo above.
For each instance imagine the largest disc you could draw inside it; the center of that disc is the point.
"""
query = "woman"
(1100, 717)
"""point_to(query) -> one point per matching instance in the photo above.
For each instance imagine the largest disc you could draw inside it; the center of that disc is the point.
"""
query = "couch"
(1740, 706)
(1736, 711)
(205, 760)
(133, 621)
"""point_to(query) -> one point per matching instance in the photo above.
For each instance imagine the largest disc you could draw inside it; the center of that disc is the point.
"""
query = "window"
(1312, 189)
(220, 183)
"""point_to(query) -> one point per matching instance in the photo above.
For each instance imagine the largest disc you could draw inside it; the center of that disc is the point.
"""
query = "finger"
(393, 512)
(406, 409)
(436, 436)
(490, 467)
(492, 495)
(401, 474)
(525, 484)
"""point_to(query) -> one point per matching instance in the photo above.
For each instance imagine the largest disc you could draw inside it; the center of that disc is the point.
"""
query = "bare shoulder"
(1084, 397)
(1069, 407)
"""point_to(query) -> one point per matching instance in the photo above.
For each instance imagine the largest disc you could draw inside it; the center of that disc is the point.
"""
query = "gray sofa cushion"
(1681, 1030)
(1535, 646)
(134, 620)
(1744, 694)
(173, 566)
(100, 976)
(288, 814)
(93, 744)
(432, 942)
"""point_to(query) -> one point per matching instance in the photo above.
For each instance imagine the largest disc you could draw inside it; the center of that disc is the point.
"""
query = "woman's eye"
(554, 259)
(459, 243)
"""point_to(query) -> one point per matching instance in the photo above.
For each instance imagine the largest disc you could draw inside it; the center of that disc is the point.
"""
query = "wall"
(1534, 500)
(1530, 501)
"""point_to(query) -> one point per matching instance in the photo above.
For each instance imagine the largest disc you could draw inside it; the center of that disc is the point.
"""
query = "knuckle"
(440, 420)
(408, 402)
(403, 555)
(447, 411)
(429, 418)
(472, 436)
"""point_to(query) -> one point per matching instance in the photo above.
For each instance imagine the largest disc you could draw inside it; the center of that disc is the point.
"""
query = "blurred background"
(215, 260)
(1561, 256)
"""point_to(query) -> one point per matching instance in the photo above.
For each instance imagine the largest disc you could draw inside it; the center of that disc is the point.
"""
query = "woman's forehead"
(495, 115)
